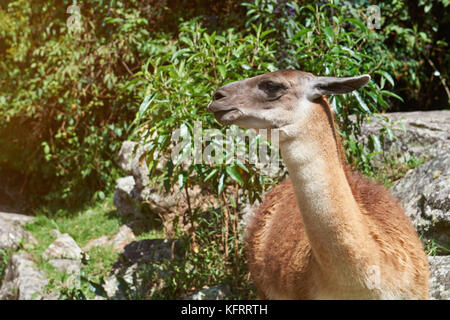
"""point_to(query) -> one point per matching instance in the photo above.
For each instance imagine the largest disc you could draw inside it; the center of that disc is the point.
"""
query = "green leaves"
(144, 106)
(234, 174)
(333, 40)
(181, 79)
(330, 33)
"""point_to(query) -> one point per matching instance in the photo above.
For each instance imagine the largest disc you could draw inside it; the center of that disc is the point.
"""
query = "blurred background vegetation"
(69, 98)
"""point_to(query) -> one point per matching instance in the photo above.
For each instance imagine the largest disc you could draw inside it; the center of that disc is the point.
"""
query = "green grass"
(434, 249)
(101, 219)
(393, 169)
(4, 257)
(90, 223)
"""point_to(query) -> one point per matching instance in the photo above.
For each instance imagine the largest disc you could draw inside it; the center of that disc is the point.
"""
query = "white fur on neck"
(326, 209)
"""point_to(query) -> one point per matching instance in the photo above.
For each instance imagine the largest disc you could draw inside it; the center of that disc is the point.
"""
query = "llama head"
(277, 99)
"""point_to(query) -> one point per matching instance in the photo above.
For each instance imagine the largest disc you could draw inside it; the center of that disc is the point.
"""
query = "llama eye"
(271, 87)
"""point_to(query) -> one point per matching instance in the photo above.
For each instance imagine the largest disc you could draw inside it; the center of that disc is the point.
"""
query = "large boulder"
(440, 277)
(425, 195)
(425, 134)
(16, 218)
(22, 280)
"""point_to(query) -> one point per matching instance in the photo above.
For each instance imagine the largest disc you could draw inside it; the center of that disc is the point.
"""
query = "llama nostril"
(218, 95)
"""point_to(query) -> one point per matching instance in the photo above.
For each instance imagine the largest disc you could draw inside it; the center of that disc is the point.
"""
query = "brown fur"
(279, 254)
(322, 237)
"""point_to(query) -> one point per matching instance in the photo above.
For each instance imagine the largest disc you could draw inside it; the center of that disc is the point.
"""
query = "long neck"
(332, 219)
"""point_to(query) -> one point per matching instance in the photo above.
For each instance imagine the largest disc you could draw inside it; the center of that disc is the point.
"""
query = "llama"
(326, 232)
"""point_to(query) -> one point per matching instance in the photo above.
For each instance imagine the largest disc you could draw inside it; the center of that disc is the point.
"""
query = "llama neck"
(332, 219)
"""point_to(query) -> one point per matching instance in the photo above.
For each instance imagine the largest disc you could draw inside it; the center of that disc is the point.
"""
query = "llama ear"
(320, 86)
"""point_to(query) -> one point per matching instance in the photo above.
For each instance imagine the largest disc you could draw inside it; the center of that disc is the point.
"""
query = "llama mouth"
(226, 117)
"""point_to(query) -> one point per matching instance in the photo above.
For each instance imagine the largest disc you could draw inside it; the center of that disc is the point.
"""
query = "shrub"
(333, 40)
(181, 81)
(71, 91)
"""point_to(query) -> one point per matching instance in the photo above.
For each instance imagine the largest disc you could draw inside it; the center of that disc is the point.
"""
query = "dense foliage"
(76, 92)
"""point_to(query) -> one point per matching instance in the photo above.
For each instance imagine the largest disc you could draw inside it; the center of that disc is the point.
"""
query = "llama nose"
(218, 95)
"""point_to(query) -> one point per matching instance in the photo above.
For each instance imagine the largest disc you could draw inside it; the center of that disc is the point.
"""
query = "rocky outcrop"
(22, 280)
(132, 160)
(420, 134)
(133, 195)
(425, 195)
(16, 219)
(440, 277)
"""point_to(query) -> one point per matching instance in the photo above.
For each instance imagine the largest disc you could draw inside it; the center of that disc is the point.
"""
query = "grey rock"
(126, 155)
(124, 199)
(440, 277)
(64, 247)
(425, 195)
(135, 190)
(16, 218)
(122, 238)
(218, 292)
(131, 160)
(12, 235)
(426, 133)
(22, 280)
(55, 232)
(142, 268)
(98, 242)
(113, 287)
(66, 265)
